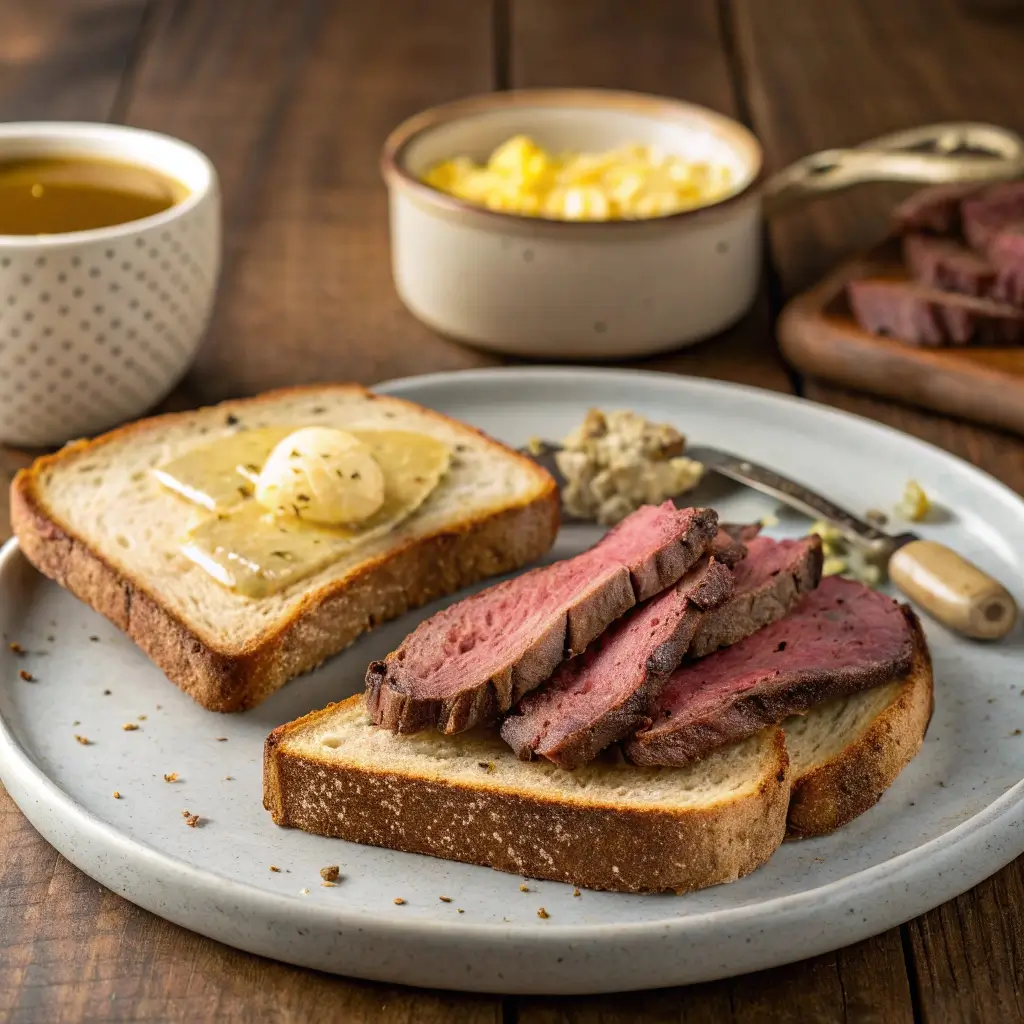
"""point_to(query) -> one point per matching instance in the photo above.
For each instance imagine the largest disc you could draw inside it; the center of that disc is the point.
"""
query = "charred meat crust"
(749, 610)
(730, 545)
(398, 699)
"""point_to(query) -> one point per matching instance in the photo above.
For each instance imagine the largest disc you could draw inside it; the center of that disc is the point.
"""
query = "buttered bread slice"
(467, 797)
(120, 521)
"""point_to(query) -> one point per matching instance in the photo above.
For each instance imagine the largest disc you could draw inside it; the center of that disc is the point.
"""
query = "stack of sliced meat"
(671, 636)
(963, 256)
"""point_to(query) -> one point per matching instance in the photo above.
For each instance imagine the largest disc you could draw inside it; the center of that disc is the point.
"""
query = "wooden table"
(291, 99)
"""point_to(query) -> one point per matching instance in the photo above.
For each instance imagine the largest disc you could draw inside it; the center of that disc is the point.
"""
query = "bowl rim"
(71, 132)
(397, 175)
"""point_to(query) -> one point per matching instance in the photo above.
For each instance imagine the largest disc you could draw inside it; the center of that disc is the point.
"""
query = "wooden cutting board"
(819, 337)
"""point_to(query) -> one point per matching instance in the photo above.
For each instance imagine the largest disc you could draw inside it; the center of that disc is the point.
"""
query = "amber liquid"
(55, 195)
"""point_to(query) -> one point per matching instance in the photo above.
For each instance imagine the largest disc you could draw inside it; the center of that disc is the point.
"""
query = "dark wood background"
(292, 99)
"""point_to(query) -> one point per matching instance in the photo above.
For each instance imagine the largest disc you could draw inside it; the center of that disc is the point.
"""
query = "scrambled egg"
(634, 182)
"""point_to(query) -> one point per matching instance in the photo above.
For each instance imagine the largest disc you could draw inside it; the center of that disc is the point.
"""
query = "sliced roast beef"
(946, 264)
(1006, 251)
(985, 214)
(933, 209)
(605, 693)
(471, 662)
(843, 638)
(768, 583)
(926, 316)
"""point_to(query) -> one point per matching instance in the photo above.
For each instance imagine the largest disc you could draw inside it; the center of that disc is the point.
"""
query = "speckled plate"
(952, 818)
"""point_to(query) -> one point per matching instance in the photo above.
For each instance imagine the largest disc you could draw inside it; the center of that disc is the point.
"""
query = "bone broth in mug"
(49, 195)
(109, 258)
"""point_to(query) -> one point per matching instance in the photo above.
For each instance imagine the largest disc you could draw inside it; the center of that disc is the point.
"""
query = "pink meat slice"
(985, 214)
(946, 264)
(919, 315)
(843, 638)
(470, 663)
(605, 693)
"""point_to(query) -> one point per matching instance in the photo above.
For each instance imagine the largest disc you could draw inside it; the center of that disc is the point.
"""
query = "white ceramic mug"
(98, 326)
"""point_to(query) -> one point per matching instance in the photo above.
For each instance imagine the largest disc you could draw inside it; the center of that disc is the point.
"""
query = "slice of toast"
(846, 752)
(467, 797)
(93, 518)
(607, 824)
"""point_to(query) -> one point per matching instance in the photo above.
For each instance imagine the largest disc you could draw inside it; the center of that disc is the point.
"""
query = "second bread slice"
(846, 752)
(467, 797)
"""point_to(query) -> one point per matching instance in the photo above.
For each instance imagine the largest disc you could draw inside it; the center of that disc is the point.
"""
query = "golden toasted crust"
(598, 847)
(327, 620)
(834, 793)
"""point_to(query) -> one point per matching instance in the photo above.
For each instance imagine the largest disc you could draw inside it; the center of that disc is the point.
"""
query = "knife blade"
(800, 497)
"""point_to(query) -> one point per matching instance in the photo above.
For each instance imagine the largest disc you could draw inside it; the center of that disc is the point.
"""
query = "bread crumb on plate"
(445, 899)
(399, 901)
(171, 777)
(117, 794)
(27, 676)
(542, 913)
(330, 873)
(274, 867)
(130, 726)
(84, 740)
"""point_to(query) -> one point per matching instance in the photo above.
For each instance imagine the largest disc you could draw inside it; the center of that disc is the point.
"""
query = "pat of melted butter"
(222, 473)
(257, 553)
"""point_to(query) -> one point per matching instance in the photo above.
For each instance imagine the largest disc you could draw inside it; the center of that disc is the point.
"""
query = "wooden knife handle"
(953, 590)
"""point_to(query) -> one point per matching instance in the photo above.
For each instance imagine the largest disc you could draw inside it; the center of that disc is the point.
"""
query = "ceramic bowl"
(97, 326)
(565, 289)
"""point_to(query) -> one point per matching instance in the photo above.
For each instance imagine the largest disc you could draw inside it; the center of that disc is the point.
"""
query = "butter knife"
(947, 586)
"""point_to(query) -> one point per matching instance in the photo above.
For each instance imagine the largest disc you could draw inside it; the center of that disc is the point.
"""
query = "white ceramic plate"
(952, 818)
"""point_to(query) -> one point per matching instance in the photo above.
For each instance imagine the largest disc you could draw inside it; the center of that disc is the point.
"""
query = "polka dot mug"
(98, 326)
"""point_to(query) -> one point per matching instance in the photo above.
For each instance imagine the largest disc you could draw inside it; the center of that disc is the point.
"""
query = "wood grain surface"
(292, 99)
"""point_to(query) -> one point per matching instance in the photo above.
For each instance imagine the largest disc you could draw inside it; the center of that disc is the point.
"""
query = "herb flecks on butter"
(326, 476)
(633, 182)
(258, 552)
(613, 463)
